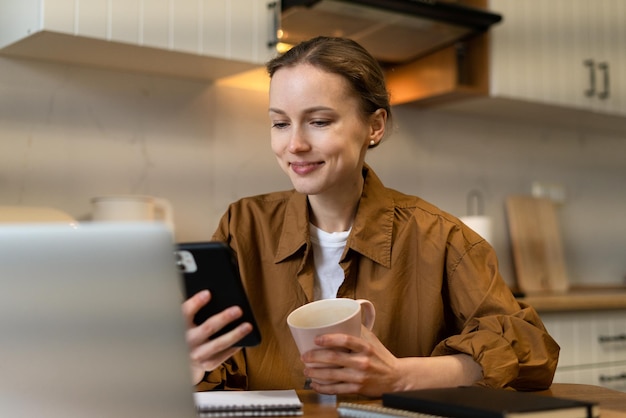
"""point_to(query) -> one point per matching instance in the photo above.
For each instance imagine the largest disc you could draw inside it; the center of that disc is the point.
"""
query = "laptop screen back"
(90, 322)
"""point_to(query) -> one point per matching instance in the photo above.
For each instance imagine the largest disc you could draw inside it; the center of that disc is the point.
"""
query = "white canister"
(482, 225)
(119, 208)
(475, 218)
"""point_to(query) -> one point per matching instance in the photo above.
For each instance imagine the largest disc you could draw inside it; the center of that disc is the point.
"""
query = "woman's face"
(319, 135)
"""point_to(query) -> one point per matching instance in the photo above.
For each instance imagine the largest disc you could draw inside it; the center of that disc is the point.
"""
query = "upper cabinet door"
(537, 50)
(252, 39)
(242, 30)
(608, 52)
(560, 52)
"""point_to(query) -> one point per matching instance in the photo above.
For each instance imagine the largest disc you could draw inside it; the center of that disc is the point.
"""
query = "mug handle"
(368, 313)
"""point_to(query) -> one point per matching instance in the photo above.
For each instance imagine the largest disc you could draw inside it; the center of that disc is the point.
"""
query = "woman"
(444, 316)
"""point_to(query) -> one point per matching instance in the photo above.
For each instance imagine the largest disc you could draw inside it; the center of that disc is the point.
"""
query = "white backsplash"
(69, 133)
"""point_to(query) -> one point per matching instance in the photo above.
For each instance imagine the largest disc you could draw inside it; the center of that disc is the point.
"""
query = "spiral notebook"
(248, 403)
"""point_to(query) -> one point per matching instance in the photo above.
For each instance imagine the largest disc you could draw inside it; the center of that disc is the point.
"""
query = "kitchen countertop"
(579, 298)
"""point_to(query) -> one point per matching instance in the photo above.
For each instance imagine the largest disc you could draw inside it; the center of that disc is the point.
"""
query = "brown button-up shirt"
(434, 282)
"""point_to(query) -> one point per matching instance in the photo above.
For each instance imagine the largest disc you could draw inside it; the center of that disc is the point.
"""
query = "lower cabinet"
(612, 377)
(593, 346)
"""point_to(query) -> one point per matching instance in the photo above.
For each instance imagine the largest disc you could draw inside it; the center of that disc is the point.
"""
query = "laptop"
(91, 323)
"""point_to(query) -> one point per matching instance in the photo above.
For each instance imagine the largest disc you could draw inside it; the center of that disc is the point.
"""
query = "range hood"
(393, 31)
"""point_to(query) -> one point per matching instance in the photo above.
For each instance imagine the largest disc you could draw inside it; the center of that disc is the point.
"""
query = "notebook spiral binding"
(358, 410)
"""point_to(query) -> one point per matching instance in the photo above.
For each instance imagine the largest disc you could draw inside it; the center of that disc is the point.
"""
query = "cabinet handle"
(604, 68)
(274, 11)
(592, 77)
(611, 338)
(606, 379)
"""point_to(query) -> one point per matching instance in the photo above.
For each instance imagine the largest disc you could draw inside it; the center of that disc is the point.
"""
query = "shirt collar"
(371, 231)
(373, 225)
(295, 233)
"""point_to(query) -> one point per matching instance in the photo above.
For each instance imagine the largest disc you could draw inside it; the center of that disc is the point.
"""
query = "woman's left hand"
(355, 365)
(348, 364)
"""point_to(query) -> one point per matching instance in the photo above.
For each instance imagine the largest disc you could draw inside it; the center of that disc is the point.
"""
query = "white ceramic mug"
(329, 316)
(132, 208)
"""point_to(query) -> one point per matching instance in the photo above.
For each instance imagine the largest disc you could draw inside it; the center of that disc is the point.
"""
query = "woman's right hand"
(206, 353)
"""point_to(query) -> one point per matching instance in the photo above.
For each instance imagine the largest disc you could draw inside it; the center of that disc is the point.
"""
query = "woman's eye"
(279, 125)
(320, 123)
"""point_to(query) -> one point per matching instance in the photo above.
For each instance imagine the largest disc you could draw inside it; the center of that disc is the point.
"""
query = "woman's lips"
(303, 168)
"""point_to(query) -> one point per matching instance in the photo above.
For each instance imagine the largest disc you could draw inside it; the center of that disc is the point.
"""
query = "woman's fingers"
(192, 305)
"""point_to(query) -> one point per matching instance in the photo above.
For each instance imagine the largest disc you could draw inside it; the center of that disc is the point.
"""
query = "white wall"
(442, 156)
(69, 133)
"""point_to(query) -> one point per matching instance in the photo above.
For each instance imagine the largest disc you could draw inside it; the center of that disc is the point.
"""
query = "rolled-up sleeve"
(505, 336)
(230, 375)
(513, 350)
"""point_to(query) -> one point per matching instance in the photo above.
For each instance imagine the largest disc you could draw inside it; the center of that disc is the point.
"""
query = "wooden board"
(536, 243)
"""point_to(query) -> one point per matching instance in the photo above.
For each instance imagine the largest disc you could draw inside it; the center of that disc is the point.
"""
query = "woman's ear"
(378, 121)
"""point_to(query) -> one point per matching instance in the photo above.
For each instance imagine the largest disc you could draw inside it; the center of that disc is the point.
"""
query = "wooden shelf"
(579, 298)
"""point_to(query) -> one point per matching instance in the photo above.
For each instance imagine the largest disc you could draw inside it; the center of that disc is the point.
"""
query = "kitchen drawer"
(610, 376)
(588, 338)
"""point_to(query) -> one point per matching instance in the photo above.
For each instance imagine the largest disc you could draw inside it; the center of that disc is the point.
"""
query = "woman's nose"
(298, 141)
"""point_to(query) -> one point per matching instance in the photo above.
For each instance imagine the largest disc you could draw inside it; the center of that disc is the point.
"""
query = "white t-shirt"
(327, 250)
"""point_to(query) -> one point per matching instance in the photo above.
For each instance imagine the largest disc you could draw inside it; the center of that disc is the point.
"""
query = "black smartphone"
(211, 265)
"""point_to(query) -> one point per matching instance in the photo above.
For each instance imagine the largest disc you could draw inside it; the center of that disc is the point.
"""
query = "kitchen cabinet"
(593, 346)
(535, 67)
(612, 377)
(205, 39)
(561, 52)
